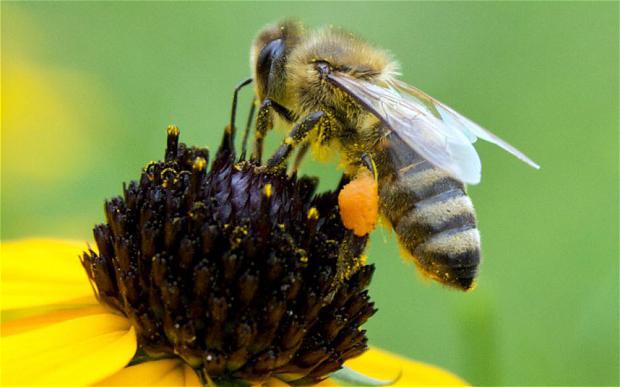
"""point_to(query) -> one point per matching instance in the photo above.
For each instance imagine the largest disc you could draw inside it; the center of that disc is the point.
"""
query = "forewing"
(456, 121)
(419, 126)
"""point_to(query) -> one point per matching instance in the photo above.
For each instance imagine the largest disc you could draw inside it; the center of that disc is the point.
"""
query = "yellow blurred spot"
(199, 164)
(46, 123)
(267, 190)
(173, 130)
(313, 213)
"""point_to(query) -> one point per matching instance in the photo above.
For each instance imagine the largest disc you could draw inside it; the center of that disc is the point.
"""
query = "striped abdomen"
(434, 220)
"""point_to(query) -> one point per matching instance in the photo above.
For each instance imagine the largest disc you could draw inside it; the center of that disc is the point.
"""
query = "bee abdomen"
(432, 217)
(436, 223)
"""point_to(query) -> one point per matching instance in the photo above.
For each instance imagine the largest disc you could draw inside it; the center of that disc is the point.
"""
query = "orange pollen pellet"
(359, 203)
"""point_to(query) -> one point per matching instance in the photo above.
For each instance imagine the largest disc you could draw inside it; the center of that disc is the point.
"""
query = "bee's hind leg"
(295, 136)
(369, 163)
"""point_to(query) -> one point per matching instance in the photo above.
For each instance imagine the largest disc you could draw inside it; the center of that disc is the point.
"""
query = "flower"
(228, 274)
(239, 270)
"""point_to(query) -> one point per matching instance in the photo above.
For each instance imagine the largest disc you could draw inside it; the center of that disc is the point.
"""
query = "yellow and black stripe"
(434, 220)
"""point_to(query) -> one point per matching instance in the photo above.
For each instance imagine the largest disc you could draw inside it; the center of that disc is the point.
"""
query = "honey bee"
(337, 92)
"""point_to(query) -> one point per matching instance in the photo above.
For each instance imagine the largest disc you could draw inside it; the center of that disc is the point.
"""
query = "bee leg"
(246, 132)
(295, 136)
(264, 122)
(299, 157)
(229, 135)
(369, 163)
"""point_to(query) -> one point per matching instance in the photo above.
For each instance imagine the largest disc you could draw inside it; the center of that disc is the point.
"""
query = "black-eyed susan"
(228, 274)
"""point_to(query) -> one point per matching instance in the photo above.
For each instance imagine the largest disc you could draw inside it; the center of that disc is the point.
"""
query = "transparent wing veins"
(470, 128)
(429, 127)
(415, 124)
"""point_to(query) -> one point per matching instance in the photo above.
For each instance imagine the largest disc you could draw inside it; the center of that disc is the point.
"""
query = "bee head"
(333, 50)
(268, 58)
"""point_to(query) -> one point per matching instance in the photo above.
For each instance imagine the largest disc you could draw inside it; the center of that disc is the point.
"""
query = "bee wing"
(416, 125)
(430, 128)
(457, 121)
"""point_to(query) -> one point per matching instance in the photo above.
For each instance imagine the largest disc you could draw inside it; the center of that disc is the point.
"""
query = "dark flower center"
(242, 272)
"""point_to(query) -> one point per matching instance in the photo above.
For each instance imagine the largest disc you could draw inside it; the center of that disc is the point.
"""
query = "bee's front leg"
(299, 157)
(295, 136)
(264, 122)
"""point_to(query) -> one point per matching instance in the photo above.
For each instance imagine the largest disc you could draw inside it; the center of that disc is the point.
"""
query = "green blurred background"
(88, 89)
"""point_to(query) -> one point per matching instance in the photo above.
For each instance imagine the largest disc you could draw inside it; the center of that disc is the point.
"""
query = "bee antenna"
(233, 114)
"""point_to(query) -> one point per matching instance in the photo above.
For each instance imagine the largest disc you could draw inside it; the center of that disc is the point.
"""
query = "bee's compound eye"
(270, 53)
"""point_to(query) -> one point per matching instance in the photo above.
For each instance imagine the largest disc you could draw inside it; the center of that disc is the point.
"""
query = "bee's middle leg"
(295, 136)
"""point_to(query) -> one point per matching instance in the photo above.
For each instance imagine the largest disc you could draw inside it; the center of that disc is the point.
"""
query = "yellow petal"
(327, 383)
(41, 317)
(382, 365)
(166, 372)
(272, 382)
(38, 272)
(42, 258)
(78, 351)
(17, 295)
